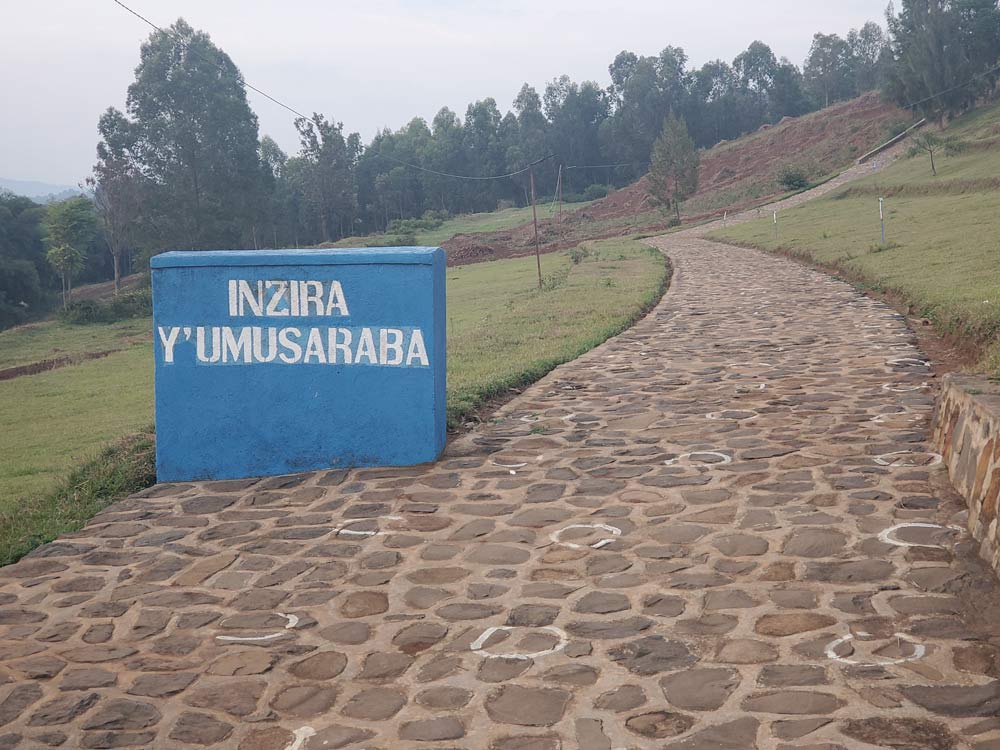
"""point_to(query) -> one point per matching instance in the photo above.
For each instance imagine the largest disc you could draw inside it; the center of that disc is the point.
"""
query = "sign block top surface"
(277, 361)
(302, 257)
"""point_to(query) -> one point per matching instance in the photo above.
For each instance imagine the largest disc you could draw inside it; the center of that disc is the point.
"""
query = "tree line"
(184, 165)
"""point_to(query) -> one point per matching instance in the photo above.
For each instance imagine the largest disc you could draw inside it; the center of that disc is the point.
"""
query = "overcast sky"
(367, 63)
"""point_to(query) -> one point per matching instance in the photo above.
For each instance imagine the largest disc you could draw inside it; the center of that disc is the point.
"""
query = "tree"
(756, 67)
(70, 227)
(329, 174)
(943, 54)
(192, 136)
(673, 172)
(866, 46)
(827, 70)
(66, 260)
(787, 97)
(931, 143)
(116, 188)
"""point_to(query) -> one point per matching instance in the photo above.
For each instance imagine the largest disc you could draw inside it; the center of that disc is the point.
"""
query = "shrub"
(137, 303)
(896, 128)
(593, 192)
(395, 240)
(793, 177)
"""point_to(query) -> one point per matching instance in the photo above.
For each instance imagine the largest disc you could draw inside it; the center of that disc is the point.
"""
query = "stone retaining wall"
(967, 435)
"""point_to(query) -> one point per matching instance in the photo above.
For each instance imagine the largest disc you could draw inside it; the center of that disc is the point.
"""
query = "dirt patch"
(52, 364)
(104, 289)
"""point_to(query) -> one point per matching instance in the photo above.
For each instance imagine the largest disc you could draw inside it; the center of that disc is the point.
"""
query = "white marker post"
(881, 218)
(775, 227)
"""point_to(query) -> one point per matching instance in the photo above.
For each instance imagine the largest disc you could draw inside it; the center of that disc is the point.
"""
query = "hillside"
(939, 258)
(732, 176)
(40, 191)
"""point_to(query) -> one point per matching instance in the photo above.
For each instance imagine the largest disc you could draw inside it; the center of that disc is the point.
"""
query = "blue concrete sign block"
(278, 361)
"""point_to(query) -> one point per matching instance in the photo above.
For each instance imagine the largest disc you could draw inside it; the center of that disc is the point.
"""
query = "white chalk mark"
(509, 466)
(716, 415)
(342, 530)
(919, 650)
(477, 645)
(903, 387)
(269, 637)
(898, 463)
(896, 417)
(290, 622)
(888, 536)
(908, 362)
(300, 736)
(724, 459)
(556, 536)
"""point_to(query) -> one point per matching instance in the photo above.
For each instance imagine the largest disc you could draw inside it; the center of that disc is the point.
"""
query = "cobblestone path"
(719, 531)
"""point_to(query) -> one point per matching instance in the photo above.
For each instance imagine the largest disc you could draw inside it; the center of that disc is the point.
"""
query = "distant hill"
(40, 191)
(732, 176)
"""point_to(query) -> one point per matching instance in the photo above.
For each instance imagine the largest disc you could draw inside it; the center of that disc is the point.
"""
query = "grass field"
(941, 251)
(50, 339)
(492, 221)
(502, 333)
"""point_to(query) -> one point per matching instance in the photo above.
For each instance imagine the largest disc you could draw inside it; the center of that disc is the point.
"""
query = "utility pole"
(534, 218)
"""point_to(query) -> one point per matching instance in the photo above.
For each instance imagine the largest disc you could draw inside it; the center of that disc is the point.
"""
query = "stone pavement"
(719, 531)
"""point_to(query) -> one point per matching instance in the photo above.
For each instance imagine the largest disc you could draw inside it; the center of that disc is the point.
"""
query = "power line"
(298, 114)
(954, 88)
(464, 176)
(212, 62)
(603, 166)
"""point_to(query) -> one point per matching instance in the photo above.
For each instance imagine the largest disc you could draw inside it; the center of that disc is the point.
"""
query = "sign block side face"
(277, 369)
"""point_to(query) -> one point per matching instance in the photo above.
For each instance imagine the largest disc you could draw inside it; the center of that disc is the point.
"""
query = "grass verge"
(490, 221)
(939, 257)
(503, 333)
(118, 470)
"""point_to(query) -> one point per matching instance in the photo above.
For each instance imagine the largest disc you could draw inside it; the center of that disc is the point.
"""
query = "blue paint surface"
(224, 411)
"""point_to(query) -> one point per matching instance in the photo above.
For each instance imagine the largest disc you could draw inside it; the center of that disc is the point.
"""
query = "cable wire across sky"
(298, 114)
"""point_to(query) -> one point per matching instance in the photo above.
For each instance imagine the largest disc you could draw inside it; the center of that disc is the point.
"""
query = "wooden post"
(881, 218)
(559, 190)
(534, 218)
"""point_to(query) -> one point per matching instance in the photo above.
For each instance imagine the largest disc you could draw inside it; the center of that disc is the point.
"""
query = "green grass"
(502, 333)
(492, 221)
(50, 339)
(941, 252)
(54, 420)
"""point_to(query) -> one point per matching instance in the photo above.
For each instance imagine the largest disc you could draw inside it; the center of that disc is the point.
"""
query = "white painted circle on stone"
(341, 529)
(556, 536)
(908, 362)
(290, 622)
(895, 462)
(477, 645)
(904, 387)
(889, 535)
(300, 736)
(907, 416)
(717, 415)
(724, 459)
(919, 650)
